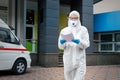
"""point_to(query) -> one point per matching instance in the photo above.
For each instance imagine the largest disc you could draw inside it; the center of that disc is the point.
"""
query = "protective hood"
(78, 25)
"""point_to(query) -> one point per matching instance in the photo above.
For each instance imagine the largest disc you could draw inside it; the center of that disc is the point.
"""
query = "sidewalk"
(109, 72)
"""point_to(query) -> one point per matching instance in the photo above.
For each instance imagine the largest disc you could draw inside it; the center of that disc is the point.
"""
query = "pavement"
(103, 72)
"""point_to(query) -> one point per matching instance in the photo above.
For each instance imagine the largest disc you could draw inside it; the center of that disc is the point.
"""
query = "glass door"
(31, 43)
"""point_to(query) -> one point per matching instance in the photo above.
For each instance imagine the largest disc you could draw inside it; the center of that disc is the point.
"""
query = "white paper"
(67, 37)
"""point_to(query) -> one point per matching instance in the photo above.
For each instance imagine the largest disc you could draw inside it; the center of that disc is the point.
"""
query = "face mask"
(73, 23)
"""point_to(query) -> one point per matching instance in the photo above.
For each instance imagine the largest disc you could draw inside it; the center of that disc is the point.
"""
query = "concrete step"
(60, 60)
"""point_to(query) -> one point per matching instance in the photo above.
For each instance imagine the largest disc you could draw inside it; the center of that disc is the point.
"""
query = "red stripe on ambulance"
(13, 49)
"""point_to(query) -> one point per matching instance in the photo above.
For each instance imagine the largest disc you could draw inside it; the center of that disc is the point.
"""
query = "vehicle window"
(13, 39)
(8, 37)
(4, 37)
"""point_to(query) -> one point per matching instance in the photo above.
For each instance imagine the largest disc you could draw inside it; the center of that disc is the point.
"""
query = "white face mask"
(73, 23)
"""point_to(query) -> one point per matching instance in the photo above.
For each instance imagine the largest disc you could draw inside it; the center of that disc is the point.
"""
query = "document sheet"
(67, 37)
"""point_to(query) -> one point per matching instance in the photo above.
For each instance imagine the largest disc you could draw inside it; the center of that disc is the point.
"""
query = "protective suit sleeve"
(60, 46)
(84, 41)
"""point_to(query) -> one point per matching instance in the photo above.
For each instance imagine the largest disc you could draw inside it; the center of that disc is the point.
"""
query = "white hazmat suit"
(74, 56)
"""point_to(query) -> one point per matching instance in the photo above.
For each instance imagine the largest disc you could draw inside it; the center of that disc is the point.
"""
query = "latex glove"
(62, 41)
(77, 41)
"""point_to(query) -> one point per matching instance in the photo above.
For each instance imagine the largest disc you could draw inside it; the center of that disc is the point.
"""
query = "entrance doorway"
(31, 43)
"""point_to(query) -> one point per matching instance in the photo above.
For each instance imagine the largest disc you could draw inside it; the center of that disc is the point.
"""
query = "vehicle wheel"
(19, 67)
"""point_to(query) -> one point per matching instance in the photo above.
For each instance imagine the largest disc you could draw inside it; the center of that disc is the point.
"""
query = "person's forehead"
(73, 15)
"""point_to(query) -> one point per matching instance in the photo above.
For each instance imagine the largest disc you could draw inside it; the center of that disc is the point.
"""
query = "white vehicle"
(13, 55)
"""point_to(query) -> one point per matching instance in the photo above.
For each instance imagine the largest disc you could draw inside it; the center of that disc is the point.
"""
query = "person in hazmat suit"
(74, 57)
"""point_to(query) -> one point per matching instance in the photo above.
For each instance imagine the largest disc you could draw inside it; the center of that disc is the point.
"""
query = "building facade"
(107, 32)
(37, 24)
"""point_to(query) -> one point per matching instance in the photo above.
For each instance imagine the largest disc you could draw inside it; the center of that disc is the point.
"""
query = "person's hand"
(62, 41)
(77, 41)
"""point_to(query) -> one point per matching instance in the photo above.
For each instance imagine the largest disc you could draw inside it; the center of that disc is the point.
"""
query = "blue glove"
(62, 41)
(77, 41)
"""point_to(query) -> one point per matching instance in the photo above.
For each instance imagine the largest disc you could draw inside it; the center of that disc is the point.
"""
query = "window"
(7, 36)
(117, 41)
(106, 42)
(117, 37)
(29, 32)
(30, 17)
(106, 38)
(4, 36)
(13, 39)
(109, 42)
(117, 46)
(106, 47)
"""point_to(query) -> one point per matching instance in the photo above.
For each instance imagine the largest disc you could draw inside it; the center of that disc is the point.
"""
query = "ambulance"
(13, 55)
